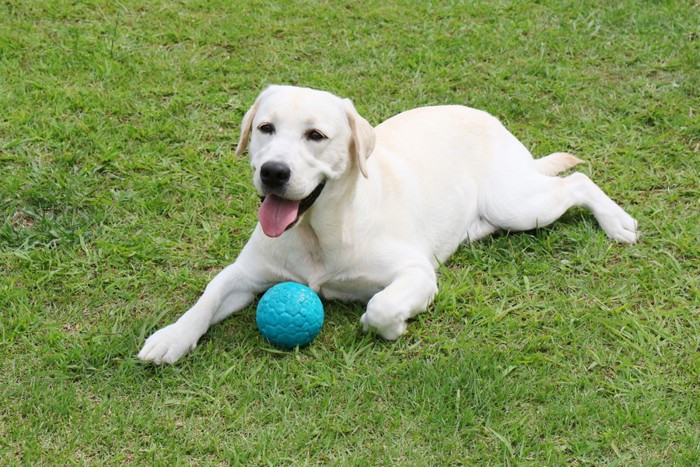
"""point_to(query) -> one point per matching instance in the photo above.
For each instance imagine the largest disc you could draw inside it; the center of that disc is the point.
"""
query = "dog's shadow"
(240, 328)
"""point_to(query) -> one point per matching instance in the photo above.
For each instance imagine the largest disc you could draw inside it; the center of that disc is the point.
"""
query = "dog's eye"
(315, 135)
(267, 128)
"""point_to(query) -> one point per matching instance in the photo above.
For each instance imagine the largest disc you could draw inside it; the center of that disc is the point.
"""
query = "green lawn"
(120, 199)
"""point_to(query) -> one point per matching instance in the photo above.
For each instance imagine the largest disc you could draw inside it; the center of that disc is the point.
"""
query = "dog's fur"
(398, 200)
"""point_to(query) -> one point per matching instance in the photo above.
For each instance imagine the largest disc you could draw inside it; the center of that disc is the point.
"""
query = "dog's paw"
(620, 226)
(167, 345)
(389, 326)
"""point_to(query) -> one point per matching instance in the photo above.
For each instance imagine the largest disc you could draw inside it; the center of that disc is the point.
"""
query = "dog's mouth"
(277, 214)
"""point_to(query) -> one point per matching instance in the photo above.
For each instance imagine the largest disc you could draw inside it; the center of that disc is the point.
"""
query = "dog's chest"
(341, 279)
(348, 289)
(336, 274)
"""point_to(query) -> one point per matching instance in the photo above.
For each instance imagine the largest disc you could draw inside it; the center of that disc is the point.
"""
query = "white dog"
(362, 213)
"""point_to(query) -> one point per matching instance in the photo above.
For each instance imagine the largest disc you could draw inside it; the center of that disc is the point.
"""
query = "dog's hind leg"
(535, 200)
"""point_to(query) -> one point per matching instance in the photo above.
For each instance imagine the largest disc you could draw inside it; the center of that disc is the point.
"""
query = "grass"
(120, 199)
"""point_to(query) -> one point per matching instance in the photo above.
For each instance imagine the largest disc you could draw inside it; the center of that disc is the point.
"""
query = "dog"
(367, 214)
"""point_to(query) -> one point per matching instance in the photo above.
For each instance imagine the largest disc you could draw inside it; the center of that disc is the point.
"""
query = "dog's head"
(301, 139)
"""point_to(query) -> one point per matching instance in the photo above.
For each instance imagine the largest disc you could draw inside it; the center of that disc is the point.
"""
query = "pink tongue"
(276, 214)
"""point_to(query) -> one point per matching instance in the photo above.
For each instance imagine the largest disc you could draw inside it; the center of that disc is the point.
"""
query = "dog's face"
(300, 139)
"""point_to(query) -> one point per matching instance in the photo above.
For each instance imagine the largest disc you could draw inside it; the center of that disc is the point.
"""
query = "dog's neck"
(331, 226)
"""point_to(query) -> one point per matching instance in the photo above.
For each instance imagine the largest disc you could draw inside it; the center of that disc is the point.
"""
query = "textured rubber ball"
(289, 315)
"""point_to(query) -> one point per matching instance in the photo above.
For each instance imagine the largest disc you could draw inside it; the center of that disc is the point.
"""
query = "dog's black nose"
(274, 174)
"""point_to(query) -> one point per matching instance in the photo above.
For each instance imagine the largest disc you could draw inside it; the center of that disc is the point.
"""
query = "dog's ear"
(362, 143)
(246, 128)
(247, 124)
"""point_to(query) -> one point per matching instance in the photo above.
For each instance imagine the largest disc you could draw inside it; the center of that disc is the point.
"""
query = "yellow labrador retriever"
(362, 213)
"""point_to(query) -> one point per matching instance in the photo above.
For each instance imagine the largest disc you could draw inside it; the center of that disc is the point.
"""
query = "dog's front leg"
(407, 295)
(232, 289)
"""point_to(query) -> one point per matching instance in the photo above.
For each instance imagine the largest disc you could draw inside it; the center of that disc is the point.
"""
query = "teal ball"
(289, 315)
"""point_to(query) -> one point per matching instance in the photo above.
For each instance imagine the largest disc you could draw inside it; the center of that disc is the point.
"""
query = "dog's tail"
(556, 162)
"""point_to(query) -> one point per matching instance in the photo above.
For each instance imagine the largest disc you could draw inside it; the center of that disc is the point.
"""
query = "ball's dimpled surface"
(289, 315)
